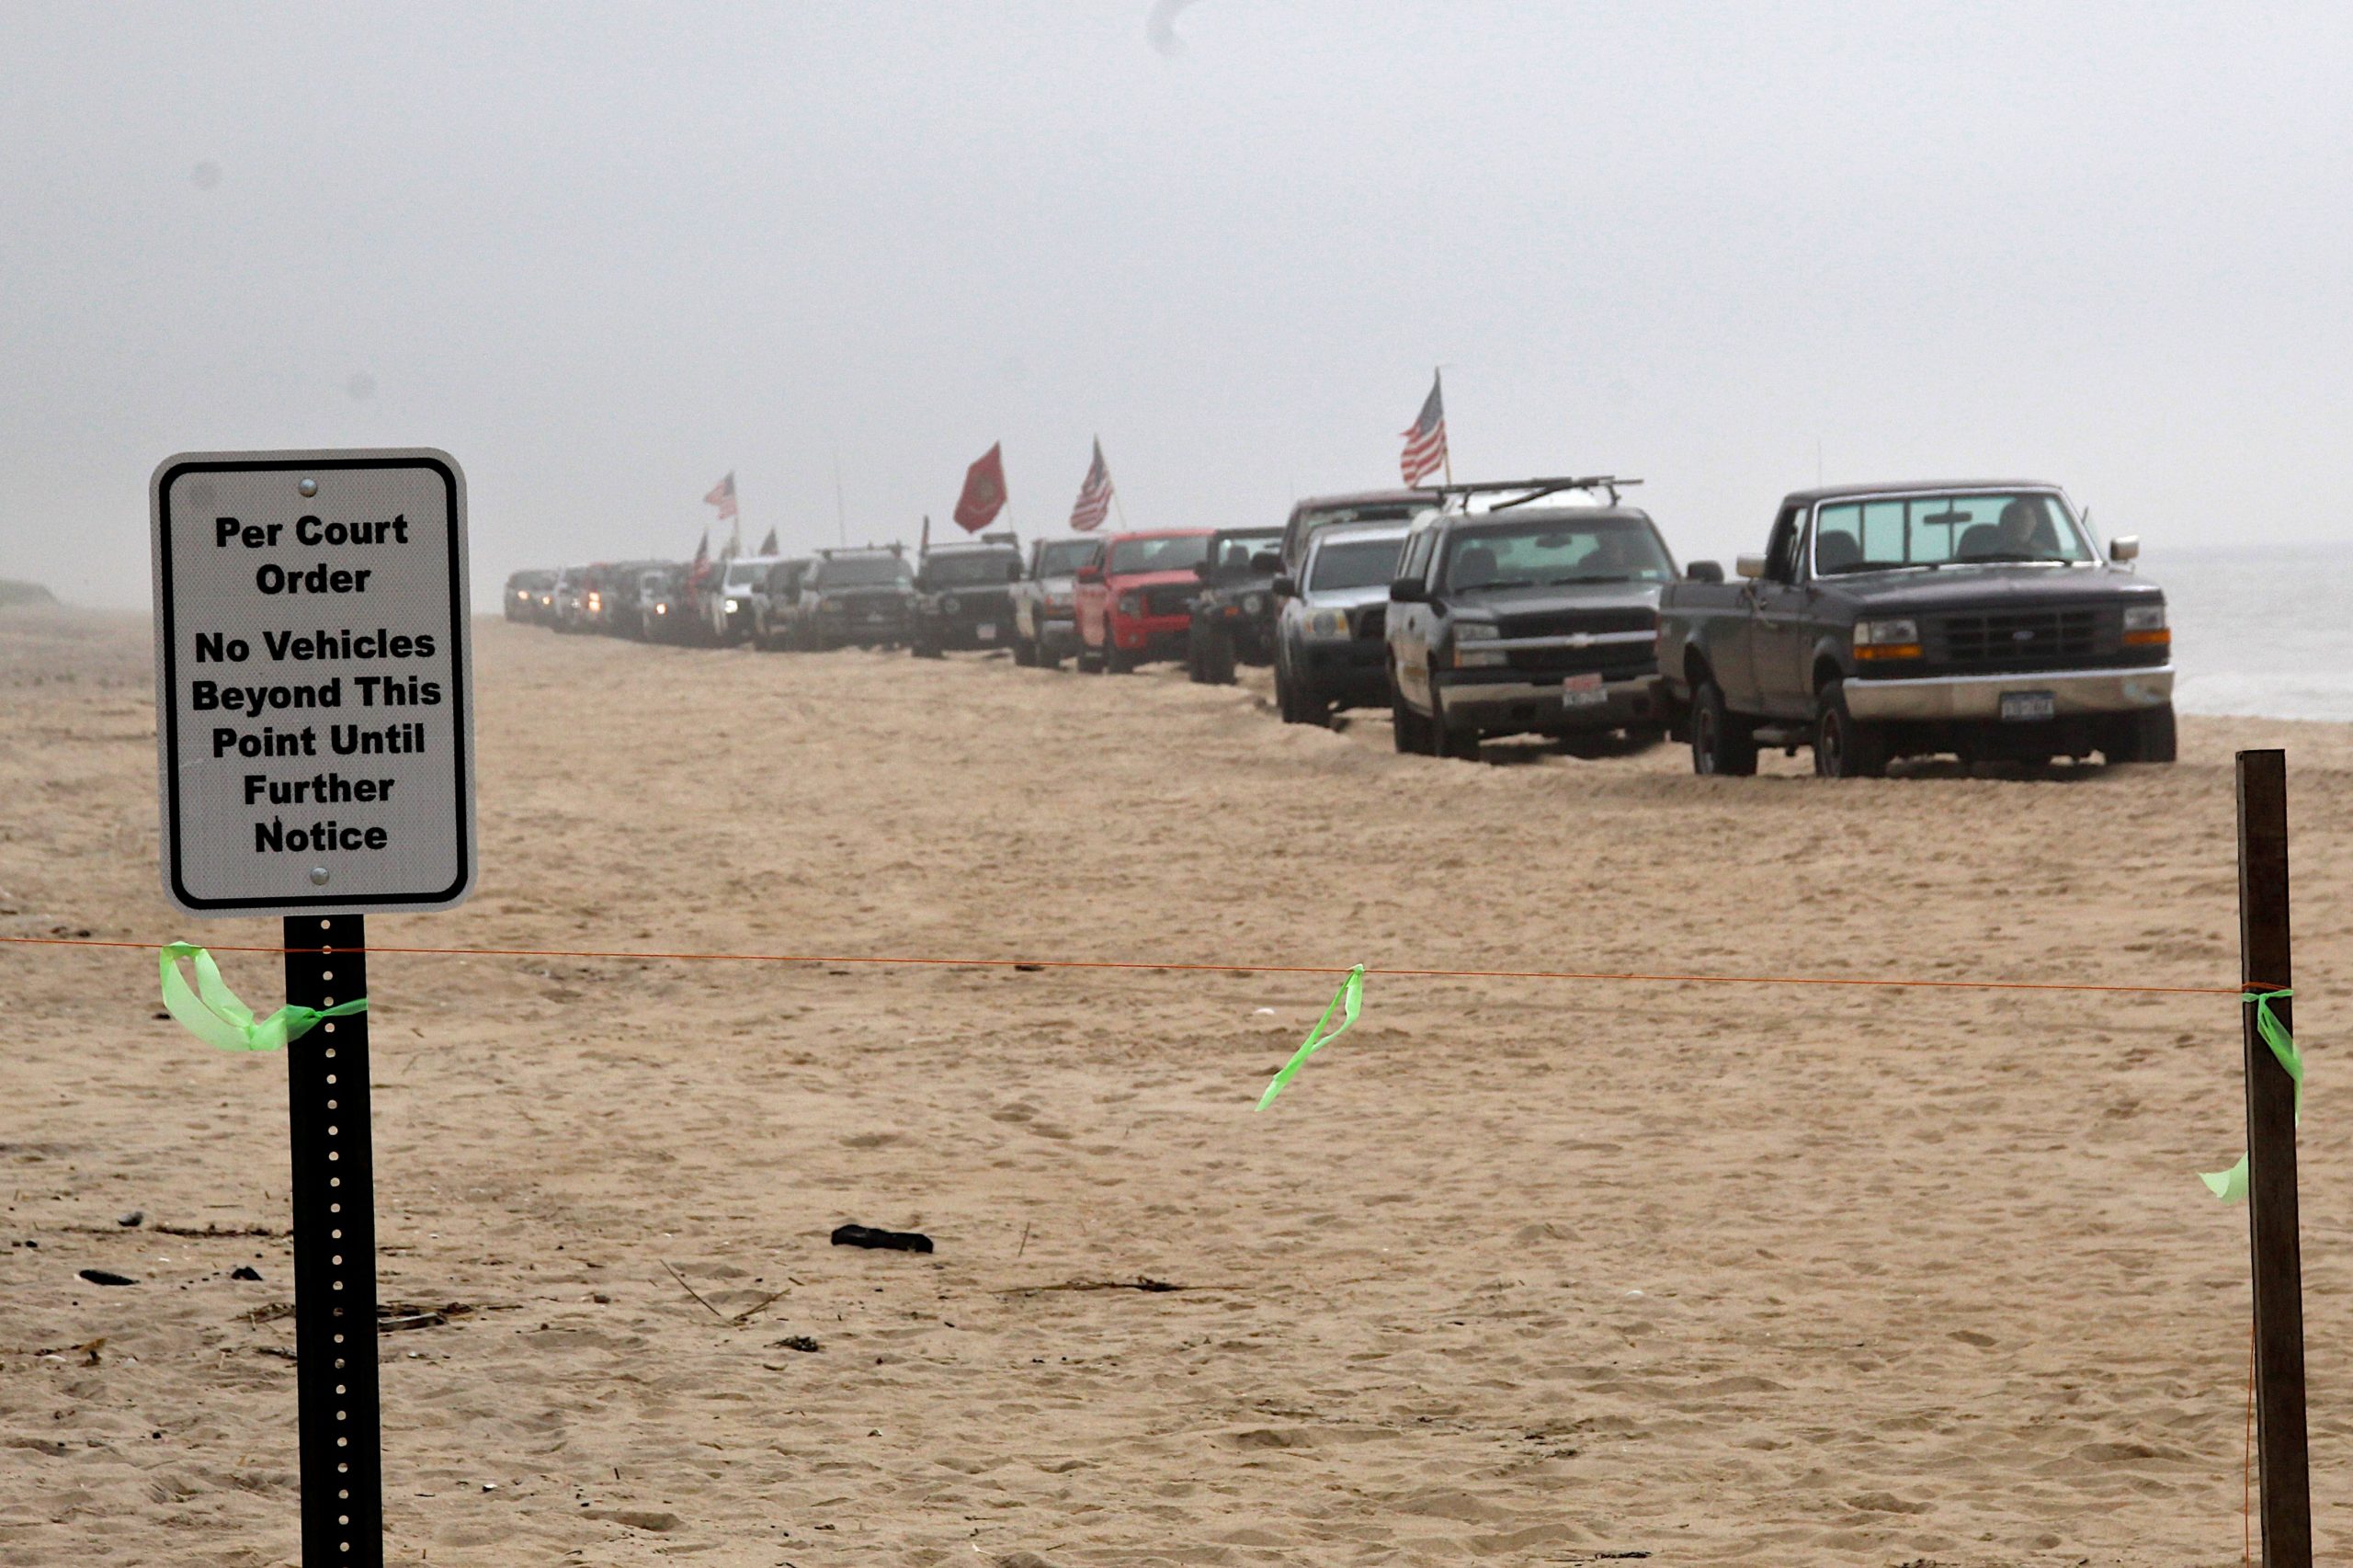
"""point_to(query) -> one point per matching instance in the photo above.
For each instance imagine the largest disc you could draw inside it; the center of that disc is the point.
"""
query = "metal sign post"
(315, 741)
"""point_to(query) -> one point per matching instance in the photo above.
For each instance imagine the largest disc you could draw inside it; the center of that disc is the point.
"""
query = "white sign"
(313, 684)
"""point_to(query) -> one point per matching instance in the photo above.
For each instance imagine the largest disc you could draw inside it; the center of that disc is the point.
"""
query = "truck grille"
(2024, 638)
(1617, 660)
(1561, 622)
(1168, 599)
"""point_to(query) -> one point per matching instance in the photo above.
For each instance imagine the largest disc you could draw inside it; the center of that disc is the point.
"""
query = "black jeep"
(862, 597)
(964, 595)
(1233, 615)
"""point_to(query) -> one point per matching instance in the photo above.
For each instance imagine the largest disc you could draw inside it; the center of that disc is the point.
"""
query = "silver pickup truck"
(1980, 619)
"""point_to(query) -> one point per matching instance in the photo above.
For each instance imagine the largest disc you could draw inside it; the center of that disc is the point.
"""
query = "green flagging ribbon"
(213, 1015)
(1345, 1000)
(2230, 1186)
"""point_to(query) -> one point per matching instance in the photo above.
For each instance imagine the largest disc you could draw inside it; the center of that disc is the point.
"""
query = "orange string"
(1027, 963)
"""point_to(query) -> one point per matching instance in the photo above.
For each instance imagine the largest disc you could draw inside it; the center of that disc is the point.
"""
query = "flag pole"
(841, 512)
(1445, 453)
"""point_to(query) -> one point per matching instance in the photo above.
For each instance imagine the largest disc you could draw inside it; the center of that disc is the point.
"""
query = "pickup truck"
(1136, 605)
(1044, 630)
(1982, 619)
(1331, 647)
(1527, 619)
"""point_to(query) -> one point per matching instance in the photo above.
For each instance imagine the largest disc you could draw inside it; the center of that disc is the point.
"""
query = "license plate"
(986, 631)
(1582, 691)
(2026, 707)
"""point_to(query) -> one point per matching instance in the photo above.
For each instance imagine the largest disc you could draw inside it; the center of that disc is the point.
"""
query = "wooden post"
(2284, 1496)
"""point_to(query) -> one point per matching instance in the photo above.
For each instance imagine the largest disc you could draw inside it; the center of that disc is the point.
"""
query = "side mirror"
(2124, 547)
(1088, 573)
(1406, 590)
(1703, 572)
(1749, 566)
(1267, 561)
(1285, 587)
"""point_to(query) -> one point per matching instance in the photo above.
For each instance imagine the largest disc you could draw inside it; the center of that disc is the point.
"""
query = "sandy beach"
(1517, 1272)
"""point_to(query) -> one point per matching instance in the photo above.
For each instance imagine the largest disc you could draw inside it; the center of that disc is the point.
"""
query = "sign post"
(315, 739)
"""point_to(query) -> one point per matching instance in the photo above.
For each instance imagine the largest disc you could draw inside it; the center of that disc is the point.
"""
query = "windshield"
(862, 571)
(1130, 556)
(962, 571)
(1549, 552)
(1944, 530)
(1232, 553)
(744, 576)
(1354, 564)
(1064, 556)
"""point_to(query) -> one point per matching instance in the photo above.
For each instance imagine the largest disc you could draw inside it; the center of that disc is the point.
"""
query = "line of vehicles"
(1982, 619)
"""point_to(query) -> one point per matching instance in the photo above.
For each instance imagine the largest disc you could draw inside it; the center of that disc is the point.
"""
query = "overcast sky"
(604, 254)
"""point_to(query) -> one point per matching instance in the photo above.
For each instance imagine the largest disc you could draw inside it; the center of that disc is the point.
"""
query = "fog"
(606, 255)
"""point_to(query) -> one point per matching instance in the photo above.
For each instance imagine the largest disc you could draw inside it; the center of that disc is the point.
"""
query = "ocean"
(2261, 632)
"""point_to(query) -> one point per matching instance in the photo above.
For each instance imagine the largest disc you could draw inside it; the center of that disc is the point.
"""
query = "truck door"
(1409, 624)
(1781, 636)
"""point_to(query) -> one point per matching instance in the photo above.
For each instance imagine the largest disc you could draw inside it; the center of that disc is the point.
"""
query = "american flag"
(1094, 496)
(1425, 442)
(723, 496)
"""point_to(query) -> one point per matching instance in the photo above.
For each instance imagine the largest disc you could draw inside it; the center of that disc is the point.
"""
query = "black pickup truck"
(1980, 619)
(1527, 619)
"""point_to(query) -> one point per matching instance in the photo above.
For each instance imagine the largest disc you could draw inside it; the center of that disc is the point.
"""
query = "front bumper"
(1974, 698)
(1518, 705)
(1155, 636)
(1058, 632)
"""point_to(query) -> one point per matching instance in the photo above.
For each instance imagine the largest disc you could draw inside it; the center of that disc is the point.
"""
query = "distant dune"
(24, 594)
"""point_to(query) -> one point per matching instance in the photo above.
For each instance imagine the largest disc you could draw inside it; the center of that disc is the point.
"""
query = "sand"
(1518, 1272)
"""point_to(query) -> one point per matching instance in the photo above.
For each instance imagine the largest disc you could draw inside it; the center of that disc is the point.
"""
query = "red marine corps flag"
(1094, 496)
(983, 495)
(1425, 442)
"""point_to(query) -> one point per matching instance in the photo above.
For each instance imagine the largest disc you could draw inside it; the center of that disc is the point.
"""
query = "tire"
(1722, 742)
(1217, 660)
(1845, 747)
(924, 651)
(1287, 703)
(1196, 662)
(1115, 663)
(1025, 653)
(1047, 658)
(2153, 735)
(1445, 740)
(1409, 731)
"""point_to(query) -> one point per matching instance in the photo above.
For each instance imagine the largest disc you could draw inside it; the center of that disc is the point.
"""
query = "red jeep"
(1135, 604)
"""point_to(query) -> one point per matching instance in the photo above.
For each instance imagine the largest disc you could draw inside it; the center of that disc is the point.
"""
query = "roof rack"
(1537, 488)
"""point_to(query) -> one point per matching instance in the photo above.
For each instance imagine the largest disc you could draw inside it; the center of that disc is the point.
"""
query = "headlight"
(523, 596)
(1058, 601)
(1128, 605)
(948, 606)
(732, 606)
(661, 610)
(1253, 603)
(2144, 626)
(1887, 639)
(1483, 658)
(1328, 625)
